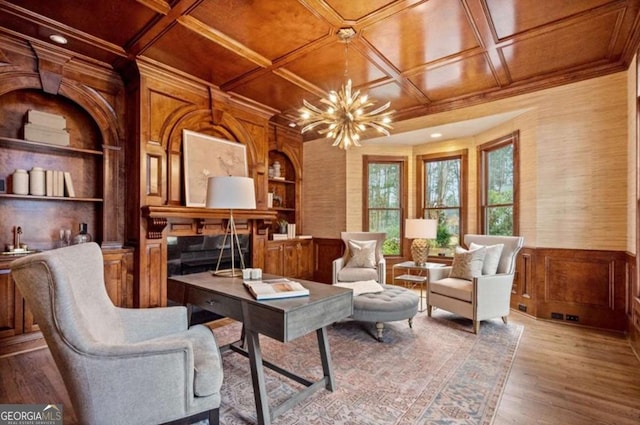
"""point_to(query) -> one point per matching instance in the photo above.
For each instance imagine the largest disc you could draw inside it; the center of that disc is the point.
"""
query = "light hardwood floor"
(561, 375)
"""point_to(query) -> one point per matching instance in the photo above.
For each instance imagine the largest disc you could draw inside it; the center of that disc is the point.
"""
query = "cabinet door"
(273, 263)
(305, 260)
(9, 324)
(291, 260)
(28, 322)
(118, 277)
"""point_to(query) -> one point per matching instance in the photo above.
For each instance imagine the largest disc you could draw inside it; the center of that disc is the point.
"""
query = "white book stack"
(46, 128)
(59, 183)
(291, 231)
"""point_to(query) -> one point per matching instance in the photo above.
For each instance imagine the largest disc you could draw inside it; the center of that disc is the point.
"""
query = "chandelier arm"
(378, 110)
(380, 128)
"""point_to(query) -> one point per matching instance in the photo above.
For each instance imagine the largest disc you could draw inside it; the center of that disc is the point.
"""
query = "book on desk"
(272, 289)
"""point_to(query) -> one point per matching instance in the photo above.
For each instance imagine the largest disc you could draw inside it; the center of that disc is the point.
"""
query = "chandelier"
(347, 113)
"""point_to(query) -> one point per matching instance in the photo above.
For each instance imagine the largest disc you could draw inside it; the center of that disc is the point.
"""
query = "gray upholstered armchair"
(361, 268)
(485, 293)
(120, 366)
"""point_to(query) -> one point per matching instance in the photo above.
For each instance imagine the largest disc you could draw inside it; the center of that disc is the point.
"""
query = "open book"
(275, 288)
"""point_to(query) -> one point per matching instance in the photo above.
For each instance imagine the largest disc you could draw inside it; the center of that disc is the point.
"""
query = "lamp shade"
(231, 192)
(420, 228)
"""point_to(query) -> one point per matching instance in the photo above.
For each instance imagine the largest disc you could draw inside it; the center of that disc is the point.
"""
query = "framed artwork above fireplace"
(207, 156)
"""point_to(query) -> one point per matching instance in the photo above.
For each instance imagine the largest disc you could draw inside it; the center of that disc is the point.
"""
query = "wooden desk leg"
(325, 356)
(257, 377)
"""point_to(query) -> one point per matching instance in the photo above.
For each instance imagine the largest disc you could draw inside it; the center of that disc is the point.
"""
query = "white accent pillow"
(491, 258)
(363, 254)
(467, 264)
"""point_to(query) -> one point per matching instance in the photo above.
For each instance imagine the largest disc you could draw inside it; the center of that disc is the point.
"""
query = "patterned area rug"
(439, 372)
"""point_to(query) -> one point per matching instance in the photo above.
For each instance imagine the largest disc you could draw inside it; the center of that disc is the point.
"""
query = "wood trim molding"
(158, 217)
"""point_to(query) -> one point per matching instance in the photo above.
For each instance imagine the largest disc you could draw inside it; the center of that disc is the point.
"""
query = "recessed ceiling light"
(436, 135)
(292, 124)
(57, 38)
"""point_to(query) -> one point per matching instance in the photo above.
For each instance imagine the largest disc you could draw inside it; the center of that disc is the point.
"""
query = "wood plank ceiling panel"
(423, 34)
(270, 28)
(193, 53)
(511, 18)
(546, 52)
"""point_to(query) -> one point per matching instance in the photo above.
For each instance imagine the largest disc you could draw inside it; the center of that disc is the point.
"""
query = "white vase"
(21, 182)
(36, 182)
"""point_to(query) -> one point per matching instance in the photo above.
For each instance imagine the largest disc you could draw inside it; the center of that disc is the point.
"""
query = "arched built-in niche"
(93, 160)
(199, 120)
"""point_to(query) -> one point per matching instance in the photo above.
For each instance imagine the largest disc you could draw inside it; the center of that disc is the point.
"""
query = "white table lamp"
(420, 229)
(231, 192)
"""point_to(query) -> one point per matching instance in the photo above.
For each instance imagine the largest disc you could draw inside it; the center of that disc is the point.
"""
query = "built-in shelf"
(281, 181)
(46, 147)
(50, 198)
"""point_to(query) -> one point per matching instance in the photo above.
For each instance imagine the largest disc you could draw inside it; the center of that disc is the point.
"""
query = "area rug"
(439, 372)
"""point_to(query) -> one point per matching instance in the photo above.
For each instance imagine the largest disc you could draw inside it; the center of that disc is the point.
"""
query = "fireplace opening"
(195, 254)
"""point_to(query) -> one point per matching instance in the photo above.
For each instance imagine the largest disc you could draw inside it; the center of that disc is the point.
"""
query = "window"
(498, 186)
(442, 194)
(385, 200)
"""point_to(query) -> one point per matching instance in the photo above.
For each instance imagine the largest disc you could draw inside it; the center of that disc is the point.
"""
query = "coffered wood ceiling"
(423, 56)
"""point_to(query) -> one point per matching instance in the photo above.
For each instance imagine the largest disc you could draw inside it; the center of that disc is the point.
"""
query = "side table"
(412, 275)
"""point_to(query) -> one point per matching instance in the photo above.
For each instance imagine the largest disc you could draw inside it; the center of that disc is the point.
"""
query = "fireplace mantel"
(158, 216)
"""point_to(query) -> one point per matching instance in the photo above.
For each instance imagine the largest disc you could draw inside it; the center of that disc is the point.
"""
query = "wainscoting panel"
(325, 251)
(582, 287)
(524, 286)
(582, 281)
(633, 313)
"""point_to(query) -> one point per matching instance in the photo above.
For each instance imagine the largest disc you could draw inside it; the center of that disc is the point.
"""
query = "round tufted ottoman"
(393, 304)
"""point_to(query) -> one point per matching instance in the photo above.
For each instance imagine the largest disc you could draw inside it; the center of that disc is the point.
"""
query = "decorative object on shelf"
(65, 238)
(206, 156)
(45, 127)
(36, 181)
(291, 231)
(270, 200)
(276, 169)
(271, 171)
(20, 182)
(231, 192)
(83, 236)
(277, 200)
(17, 247)
(282, 226)
(420, 229)
(347, 114)
(68, 185)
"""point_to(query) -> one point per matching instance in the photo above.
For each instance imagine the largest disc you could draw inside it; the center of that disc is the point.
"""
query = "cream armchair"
(345, 270)
(483, 297)
(120, 366)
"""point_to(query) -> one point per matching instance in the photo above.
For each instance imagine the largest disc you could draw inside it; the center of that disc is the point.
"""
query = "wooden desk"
(283, 320)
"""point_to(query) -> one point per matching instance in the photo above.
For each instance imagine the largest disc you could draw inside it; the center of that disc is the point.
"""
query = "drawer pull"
(210, 302)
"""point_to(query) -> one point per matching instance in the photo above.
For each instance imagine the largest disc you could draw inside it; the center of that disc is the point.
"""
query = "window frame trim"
(482, 150)
(463, 155)
(404, 195)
